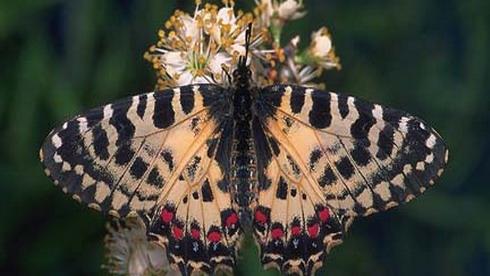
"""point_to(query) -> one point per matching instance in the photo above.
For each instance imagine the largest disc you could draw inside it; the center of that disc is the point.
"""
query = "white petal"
(200, 80)
(238, 45)
(185, 78)
(215, 33)
(218, 60)
(269, 9)
(227, 16)
(240, 48)
(174, 59)
(321, 43)
(289, 9)
(190, 28)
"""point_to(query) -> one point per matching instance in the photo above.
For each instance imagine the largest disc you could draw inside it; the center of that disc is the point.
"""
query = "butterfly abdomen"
(243, 155)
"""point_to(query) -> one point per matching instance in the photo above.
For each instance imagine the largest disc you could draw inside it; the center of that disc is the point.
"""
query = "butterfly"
(203, 164)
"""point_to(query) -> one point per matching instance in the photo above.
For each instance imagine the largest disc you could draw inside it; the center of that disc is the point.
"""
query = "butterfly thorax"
(243, 154)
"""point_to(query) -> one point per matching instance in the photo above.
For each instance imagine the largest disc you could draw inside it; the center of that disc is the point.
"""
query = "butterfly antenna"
(248, 37)
(225, 70)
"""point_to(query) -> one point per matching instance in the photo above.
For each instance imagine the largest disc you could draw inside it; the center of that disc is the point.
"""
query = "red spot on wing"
(166, 216)
(277, 233)
(195, 233)
(324, 215)
(295, 230)
(177, 232)
(260, 217)
(231, 219)
(214, 236)
(313, 230)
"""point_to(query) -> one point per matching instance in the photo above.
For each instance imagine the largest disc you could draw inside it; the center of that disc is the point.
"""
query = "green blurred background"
(427, 57)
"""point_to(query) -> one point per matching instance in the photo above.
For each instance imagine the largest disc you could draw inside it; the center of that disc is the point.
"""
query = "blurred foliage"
(431, 58)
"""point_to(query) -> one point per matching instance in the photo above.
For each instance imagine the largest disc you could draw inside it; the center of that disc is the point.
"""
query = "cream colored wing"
(155, 155)
(327, 151)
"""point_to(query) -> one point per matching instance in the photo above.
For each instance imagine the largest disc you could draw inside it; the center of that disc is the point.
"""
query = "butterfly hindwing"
(292, 224)
(344, 154)
(197, 223)
(156, 155)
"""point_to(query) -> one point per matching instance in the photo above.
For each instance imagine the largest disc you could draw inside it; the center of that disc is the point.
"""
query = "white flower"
(195, 49)
(275, 14)
(202, 47)
(130, 253)
(265, 10)
(321, 44)
(321, 50)
(290, 10)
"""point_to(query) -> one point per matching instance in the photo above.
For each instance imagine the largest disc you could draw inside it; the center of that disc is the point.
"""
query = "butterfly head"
(242, 73)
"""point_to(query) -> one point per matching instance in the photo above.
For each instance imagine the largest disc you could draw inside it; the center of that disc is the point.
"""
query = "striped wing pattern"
(155, 155)
(329, 158)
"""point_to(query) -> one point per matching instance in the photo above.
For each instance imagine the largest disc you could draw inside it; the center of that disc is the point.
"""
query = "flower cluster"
(205, 46)
(199, 48)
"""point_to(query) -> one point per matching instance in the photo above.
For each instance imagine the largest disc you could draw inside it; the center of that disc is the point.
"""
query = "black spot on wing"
(282, 189)
(360, 155)
(345, 167)
(360, 128)
(274, 146)
(319, 115)
(207, 194)
(212, 143)
(187, 99)
(94, 116)
(155, 179)
(297, 99)
(193, 166)
(124, 154)
(327, 178)
(100, 142)
(140, 109)
(315, 156)
(293, 165)
(385, 142)
(343, 106)
(124, 127)
(168, 159)
(392, 115)
(274, 98)
(138, 168)
(211, 94)
(415, 139)
(163, 114)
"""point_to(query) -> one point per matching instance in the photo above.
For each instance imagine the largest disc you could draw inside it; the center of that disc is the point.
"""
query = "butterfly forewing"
(331, 157)
(155, 154)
